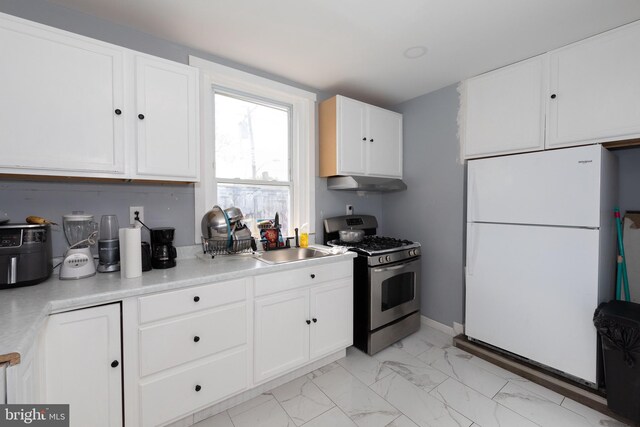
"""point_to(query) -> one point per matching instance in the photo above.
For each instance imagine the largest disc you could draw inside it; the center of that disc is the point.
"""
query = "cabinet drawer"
(171, 397)
(276, 282)
(169, 304)
(180, 341)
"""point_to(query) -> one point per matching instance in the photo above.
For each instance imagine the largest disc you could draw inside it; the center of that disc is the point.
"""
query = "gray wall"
(164, 205)
(431, 211)
(628, 178)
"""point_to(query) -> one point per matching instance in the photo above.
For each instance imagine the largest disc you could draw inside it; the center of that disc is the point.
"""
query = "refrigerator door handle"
(472, 252)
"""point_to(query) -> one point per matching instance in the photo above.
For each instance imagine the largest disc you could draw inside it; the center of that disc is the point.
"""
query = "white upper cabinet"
(167, 122)
(594, 89)
(384, 143)
(359, 139)
(584, 93)
(72, 106)
(62, 101)
(505, 110)
(352, 142)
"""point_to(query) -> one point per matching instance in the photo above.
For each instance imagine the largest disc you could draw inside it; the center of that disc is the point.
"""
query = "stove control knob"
(381, 259)
(387, 258)
(412, 252)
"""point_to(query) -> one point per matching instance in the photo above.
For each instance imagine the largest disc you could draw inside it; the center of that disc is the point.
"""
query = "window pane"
(252, 140)
(257, 202)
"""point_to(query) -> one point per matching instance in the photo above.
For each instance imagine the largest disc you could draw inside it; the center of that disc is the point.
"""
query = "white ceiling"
(355, 47)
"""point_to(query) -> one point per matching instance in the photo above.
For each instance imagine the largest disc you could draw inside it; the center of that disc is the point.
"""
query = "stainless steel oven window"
(397, 303)
(397, 290)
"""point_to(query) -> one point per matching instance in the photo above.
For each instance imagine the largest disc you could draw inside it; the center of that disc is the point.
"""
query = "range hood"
(365, 183)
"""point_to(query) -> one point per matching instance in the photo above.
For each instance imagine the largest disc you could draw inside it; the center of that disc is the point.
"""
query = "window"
(257, 148)
(252, 150)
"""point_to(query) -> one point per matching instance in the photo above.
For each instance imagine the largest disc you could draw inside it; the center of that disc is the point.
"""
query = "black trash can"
(618, 323)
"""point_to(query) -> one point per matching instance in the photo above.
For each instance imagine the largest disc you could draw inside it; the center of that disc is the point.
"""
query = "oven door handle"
(395, 267)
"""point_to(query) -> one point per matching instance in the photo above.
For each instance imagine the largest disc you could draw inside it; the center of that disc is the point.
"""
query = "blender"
(109, 245)
(81, 232)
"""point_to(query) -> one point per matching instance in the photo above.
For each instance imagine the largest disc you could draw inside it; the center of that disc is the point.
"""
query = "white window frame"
(302, 153)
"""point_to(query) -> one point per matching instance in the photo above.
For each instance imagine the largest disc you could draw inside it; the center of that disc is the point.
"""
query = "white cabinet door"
(167, 122)
(504, 110)
(595, 88)
(60, 99)
(281, 340)
(384, 143)
(532, 291)
(83, 366)
(60, 94)
(23, 382)
(3, 383)
(332, 317)
(351, 136)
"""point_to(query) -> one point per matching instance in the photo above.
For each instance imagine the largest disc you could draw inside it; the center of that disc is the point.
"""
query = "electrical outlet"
(132, 215)
(349, 209)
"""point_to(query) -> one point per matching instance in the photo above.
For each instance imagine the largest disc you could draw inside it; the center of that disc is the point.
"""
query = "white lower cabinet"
(3, 383)
(167, 397)
(83, 366)
(281, 333)
(23, 382)
(295, 327)
(190, 350)
(178, 352)
(332, 317)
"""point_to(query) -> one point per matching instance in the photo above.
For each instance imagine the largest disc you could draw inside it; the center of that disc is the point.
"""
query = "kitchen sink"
(278, 256)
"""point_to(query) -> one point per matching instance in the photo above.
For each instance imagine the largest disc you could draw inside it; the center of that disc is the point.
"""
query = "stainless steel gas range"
(386, 283)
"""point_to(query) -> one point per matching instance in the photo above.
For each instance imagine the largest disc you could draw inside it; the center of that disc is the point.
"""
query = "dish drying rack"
(217, 246)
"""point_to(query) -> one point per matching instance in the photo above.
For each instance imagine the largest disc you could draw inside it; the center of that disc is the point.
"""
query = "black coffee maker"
(163, 253)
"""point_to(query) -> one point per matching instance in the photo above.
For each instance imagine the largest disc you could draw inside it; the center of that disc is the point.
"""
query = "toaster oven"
(25, 254)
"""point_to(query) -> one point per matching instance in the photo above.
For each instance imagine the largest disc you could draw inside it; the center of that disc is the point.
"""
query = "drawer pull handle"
(196, 299)
(198, 388)
(118, 111)
(141, 116)
(196, 338)
(308, 322)
(114, 364)
(314, 320)
(313, 276)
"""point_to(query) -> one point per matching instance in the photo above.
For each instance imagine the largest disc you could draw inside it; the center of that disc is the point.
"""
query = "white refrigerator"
(541, 254)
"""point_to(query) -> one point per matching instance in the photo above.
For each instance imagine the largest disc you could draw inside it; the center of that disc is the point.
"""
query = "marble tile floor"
(419, 381)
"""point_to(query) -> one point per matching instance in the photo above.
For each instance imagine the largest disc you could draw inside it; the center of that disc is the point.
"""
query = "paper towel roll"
(130, 253)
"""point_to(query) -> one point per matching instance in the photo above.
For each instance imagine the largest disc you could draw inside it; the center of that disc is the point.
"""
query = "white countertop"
(24, 310)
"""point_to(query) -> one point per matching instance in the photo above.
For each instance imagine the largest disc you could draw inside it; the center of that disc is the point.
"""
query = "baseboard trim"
(424, 320)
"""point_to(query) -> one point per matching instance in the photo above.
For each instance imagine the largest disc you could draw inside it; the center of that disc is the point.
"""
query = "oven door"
(395, 291)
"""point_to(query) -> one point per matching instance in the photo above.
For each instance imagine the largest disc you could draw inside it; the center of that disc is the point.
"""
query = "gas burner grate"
(374, 243)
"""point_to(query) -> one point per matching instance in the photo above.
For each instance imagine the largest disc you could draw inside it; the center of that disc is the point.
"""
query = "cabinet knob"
(118, 111)
(364, 138)
(308, 322)
(198, 388)
(371, 140)
(196, 338)
(314, 320)
(313, 276)
(115, 364)
(196, 299)
(553, 96)
(141, 116)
